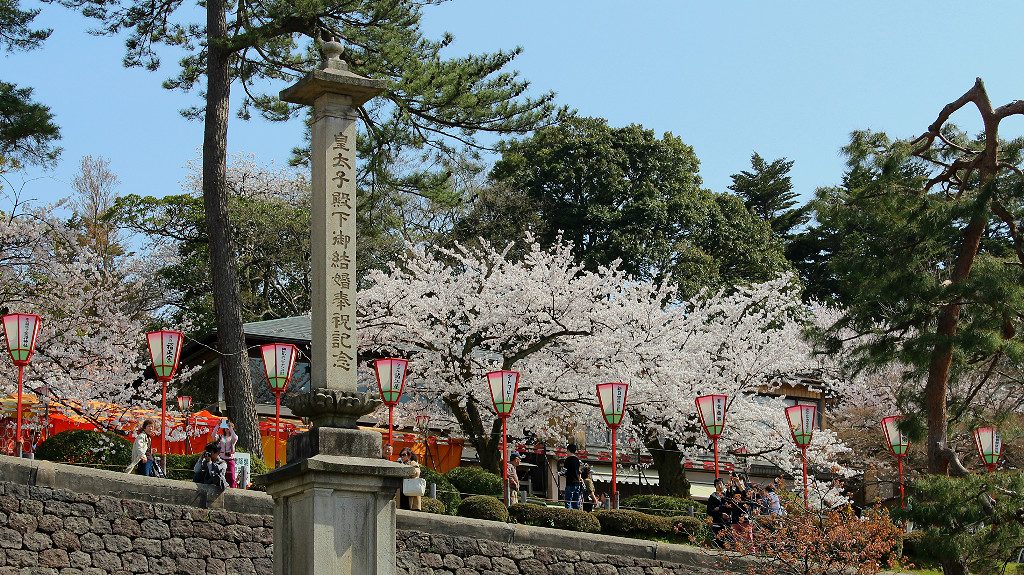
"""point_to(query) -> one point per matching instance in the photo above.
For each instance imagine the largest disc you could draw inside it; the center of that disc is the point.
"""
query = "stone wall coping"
(512, 533)
(122, 485)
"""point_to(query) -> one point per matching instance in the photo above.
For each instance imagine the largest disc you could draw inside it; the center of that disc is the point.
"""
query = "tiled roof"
(297, 328)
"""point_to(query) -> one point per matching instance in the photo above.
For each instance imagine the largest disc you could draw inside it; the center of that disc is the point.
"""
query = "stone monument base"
(334, 504)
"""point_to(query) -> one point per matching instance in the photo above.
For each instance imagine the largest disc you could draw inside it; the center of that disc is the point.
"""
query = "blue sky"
(786, 78)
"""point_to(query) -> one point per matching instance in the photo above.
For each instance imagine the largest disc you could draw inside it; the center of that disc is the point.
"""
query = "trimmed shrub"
(483, 507)
(557, 517)
(686, 529)
(475, 480)
(431, 505)
(180, 466)
(446, 492)
(663, 505)
(629, 523)
(913, 546)
(93, 448)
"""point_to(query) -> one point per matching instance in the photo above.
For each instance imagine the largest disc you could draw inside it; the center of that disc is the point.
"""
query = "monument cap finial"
(331, 51)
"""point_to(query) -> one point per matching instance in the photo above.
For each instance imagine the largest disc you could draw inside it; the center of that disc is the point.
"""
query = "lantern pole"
(615, 467)
(903, 501)
(714, 441)
(803, 452)
(17, 433)
(391, 430)
(277, 428)
(504, 459)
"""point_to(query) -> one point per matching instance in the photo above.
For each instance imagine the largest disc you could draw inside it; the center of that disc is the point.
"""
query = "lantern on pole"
(185, 406)
(990, 446)
(391, 373)
(279, 365)
(504, 385)
(164, 351)
(612, 398)
(802, 420)
(22, 331)
(711, 410)
(898, 445)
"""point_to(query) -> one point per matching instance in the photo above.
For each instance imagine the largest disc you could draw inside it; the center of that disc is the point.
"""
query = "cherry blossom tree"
(95, 311)
(459, 312)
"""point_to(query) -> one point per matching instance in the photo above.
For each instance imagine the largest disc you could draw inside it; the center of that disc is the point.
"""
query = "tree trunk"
(241, 403)
(942, 354)
(955, 566)
(669, 462)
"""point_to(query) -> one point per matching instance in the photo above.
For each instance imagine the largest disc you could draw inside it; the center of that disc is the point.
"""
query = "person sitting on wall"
(142, 450)
(211, 469)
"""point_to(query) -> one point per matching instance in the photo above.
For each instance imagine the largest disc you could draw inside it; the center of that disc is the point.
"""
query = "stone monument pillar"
(334, 510)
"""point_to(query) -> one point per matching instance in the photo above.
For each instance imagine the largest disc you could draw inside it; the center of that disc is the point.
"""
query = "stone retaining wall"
(46, 530)
(65, 520)
(439, 544)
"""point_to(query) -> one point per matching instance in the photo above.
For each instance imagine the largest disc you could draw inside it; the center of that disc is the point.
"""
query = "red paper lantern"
(391, 373)
(898, 445)
(164, 350)
(279, 366)
(802, 420)
(22, 331)
(612, 398)
(503, 385)
(990, 446)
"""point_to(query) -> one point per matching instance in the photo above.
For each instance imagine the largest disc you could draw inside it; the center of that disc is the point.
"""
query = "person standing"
(573, 479)
(774, 504)
(589, 493)
(413, 502)
(513, 477)
(142, 450)
(716, 505)
(228, 441)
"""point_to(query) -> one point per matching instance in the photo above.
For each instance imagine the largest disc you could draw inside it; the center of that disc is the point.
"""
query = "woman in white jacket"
(142, 450)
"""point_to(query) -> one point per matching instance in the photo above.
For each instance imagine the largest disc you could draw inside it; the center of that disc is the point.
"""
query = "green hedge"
(686, 529)
(447, 493)
(93, 448)
(663, 505)
(180, 466)
(476, 481)
(629, 523)
(431, 505)
(483, 507)
(557, 517)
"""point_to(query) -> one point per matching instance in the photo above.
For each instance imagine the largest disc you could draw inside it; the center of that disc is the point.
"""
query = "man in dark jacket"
(573, 479)
(211, 469)
(718, 508)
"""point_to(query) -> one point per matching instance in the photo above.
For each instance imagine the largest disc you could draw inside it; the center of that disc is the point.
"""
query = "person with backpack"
(211, 469)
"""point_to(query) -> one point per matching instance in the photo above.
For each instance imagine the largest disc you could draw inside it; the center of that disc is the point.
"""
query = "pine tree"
(27, 130)
(767, 191)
